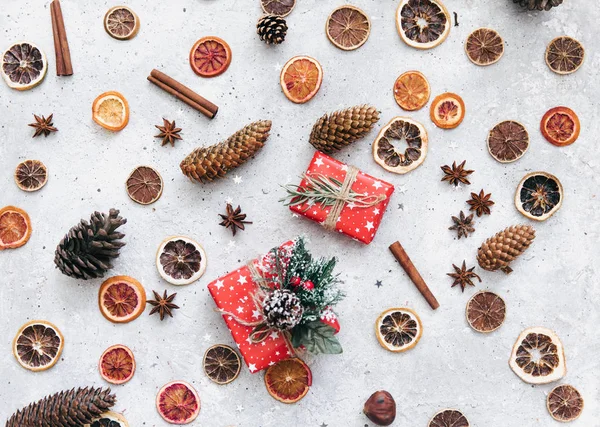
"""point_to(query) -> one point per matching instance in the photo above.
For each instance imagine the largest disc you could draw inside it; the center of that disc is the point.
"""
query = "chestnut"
(380, 408)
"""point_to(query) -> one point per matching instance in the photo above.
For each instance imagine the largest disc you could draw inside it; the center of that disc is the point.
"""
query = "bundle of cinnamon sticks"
(64, 67)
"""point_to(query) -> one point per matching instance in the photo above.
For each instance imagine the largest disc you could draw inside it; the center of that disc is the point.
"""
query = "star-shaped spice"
(163, 305)
(43, 125)
(463, 225)
(168, 132)
(234, 219)
(463, 276)
(456, 174)
(480, 203)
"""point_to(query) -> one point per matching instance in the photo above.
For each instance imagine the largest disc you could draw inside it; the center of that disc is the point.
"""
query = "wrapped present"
(340, 197)
(278, 303)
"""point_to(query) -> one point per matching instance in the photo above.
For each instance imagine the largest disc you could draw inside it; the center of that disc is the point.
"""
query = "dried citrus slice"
(117, 364)
(38, 345)
(564, 403)
(31, 175)
(111, 111)
(486, 311)
(564, 55)
(484, 46)
(348, 27)
(401, 145)
(538, 356)
(398, 329)
(301, 79)
(289, 380)
(121, 23)
(560, 126)
(221, 364)
(423, 24)
(411, 91)
(539, 195)
(178, 403)
(109, 419)
(278, 7)
(15, 227)
(447, 110)
(210, 56)
(121, 299)
(144, 185)
(24, 66)
(449, 418)
(180, 260)
(508, 141)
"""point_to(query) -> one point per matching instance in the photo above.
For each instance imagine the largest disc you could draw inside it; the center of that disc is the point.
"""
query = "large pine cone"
(271, 29)
(499, 251)
(336, 130)
(87, 249)
(207, 163)
(73, 408)
(539, 4)
(282, 309)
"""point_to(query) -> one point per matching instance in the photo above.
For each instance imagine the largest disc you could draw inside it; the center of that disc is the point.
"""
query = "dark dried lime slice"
(486, 311)
(564, 55)
(121, 23)
(221, 364)
(180, 260)
(564, 403)
(401, 145)
(508, 141)
(348, 27)
(24, 66)
(31, 175)
(38, 345)
(144, 185)
(449, 418)
(539, 195)
(278, 7)
(423, 24)
(484, 46)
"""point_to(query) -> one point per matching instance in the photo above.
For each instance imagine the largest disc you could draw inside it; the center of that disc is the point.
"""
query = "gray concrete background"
(555, 284)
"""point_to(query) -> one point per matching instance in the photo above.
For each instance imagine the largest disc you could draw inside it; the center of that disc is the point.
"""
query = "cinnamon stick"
(60, 65)
(404, 260)
(183, 93)
(64, 66)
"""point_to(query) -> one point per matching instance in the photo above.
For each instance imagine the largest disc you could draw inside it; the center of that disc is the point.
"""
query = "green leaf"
(316, 337)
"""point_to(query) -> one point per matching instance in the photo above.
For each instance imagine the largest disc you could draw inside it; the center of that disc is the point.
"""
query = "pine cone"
(85, 252)
(282, 309)
(499, 251)
(207, 163)
(539, 4)
(271, 29)
(72, 408)
(336, 130)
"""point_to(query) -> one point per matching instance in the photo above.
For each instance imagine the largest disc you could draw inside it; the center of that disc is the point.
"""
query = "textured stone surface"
(555, 284)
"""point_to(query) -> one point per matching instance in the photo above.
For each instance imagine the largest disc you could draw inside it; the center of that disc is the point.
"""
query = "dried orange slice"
(221, 364)
(422, 24)
(109, 419)
(484, 46)
(121, 23)
(348, 27)
(560, 126)
(539, 195)
(411, 91)
(117, 364)
(24, 66)
(178, 403)
(289, 380)
(210, 56)
(508, 141)
(564, 55)
(449, 418)
(538, 356)
(180, 260)
(121, 299)
(398, 329)
(15, 227)
(278, 7)
(144, 185)
(447, 110)
(38, 345)
(564, 403)
(486, 311)
(401, 145)
(31, 175)
(111, 111)
(301, 79)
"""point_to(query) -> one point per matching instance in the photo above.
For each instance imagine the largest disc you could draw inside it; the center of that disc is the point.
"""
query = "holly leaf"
(317, 337)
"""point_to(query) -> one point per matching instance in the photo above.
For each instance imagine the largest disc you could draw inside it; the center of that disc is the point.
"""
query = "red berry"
(295, 281)
(308, 285)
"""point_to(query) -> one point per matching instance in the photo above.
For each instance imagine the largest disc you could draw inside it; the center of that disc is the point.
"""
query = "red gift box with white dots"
(359, 223)
(233, 294)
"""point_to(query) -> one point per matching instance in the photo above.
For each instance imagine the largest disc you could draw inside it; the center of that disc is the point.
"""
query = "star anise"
(480, 203)
(456, 174)
(234, 219)
(463, 276)
(168, 132)
(43, 125)
(163, 305)
(463, 225)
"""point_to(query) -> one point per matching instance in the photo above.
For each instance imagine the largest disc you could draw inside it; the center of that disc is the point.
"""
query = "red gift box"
(355, 221)
(233, 294)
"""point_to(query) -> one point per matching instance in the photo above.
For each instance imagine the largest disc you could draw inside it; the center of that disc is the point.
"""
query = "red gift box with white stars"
(233, 294)
(359, 223)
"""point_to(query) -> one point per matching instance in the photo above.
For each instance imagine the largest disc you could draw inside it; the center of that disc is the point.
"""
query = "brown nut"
(380, 408)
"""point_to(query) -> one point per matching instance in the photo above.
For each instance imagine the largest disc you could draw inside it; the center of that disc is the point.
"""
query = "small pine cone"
(336, 130)
(499, 251)
(282, 309)
(271, 29)
(208, 163)
(72, 408)
(539, 4)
